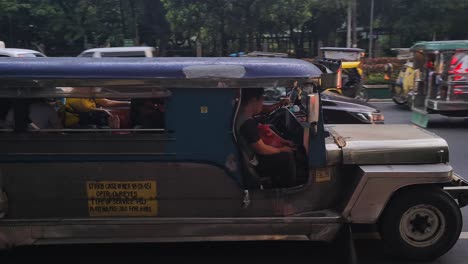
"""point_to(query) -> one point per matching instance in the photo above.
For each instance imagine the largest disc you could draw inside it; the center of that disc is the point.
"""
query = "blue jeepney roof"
(156, 68)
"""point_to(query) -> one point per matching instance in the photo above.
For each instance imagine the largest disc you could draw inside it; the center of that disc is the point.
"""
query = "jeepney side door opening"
(80, 109)
(283, 123)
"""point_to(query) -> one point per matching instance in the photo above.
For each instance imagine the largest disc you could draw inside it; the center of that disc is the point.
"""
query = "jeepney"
(190, 180)
(441, 80)
(352, 73)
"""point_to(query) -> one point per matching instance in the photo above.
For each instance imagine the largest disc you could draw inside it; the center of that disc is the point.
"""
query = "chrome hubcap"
(422, 225)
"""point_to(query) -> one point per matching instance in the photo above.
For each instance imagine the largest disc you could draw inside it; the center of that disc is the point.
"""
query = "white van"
(10, 52)
(119, 52)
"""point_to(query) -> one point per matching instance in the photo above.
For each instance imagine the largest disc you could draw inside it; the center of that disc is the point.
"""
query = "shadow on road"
(369, 251)
(447, 122)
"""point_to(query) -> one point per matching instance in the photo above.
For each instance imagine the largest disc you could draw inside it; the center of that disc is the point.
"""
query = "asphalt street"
(369, 249)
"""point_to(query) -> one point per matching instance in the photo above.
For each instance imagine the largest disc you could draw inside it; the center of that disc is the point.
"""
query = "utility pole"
(122, 19)
(348, 36)
(371, 31)
(354, 22)
(10, 27)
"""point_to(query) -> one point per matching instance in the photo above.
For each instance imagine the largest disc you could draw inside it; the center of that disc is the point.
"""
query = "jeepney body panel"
(389, 145)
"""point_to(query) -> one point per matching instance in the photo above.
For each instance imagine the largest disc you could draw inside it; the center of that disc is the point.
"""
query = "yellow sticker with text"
(322, 175)
(122, 198)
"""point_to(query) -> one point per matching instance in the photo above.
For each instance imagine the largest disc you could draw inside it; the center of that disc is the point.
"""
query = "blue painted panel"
(201, 123)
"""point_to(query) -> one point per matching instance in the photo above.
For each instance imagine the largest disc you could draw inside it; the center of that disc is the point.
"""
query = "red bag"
(268, 136)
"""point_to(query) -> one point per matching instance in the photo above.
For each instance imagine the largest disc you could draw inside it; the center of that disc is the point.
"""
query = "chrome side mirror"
(313, 110)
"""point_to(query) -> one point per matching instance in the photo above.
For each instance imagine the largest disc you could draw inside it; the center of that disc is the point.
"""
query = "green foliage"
(416, 20)
(66, 27)
(376, 78)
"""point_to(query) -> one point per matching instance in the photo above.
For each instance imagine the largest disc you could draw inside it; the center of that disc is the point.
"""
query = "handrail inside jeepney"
(84, 92)
(91, 130)
(100, 130)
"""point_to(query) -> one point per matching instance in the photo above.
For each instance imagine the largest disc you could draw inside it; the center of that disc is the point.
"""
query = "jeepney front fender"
(378, 183)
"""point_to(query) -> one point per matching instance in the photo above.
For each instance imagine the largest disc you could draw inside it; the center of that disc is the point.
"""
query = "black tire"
(446, 221)
(362, 94)
(397, 98)
(399, 101)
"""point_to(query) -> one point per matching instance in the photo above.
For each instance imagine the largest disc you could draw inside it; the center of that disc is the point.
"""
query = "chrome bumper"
(439, 105)
(458, 190)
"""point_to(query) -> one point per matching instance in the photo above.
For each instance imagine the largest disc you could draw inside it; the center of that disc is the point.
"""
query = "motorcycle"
(351, 71)
(403, 85)
(352, 85)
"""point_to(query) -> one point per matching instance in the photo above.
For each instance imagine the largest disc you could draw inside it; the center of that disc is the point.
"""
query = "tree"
(154, 27)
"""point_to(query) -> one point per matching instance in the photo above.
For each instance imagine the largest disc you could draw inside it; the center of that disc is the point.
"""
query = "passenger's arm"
(111, 103)
(288, 143)
(263, 149)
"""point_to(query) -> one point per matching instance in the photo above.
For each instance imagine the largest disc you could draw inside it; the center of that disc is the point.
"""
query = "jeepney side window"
(131, 114)
(71, 114)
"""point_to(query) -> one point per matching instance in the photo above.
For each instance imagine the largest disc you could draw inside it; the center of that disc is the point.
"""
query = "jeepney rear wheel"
(421, 224)
(361, 93)
(398, 96)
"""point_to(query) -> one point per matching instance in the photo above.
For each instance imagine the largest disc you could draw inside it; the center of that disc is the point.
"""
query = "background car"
(119, 52)
(20, 53)
(338, 109)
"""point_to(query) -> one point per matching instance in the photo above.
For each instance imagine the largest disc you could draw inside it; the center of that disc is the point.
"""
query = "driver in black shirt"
(275, 162)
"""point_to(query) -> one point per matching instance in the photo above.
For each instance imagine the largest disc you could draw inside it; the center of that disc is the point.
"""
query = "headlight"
(378, 118)
(372, 118)
(365, 117)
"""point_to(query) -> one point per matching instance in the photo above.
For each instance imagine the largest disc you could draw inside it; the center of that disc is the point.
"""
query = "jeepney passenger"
(5, 105)
(147, 113)
(85, 112)
(277, 163)
(41, 115)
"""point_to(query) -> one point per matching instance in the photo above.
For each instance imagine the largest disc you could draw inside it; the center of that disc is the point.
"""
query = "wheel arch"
(378, 185)
(410, 188)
